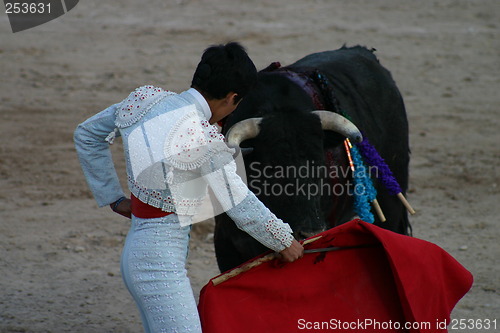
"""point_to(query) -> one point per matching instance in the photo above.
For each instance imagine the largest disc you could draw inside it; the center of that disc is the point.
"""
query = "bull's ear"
(243, 151)
(246, 151)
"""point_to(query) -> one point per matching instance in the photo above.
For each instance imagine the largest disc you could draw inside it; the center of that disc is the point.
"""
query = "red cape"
(396, 281)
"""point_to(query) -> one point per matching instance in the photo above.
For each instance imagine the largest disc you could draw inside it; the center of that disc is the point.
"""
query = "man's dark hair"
(224, 69)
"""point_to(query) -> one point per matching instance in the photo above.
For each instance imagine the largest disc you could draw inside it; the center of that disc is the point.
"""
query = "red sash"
(145, 211)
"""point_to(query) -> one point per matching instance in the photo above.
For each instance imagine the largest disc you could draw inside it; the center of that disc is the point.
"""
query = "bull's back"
(368, 95)
(356, 72)
(339, 55)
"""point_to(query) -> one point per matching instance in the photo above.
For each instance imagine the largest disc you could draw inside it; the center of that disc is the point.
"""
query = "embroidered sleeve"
(246, 210)
(254, 218)
(95, 156)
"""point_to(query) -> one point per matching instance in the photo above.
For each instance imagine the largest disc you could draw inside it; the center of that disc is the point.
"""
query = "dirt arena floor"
(59, 253)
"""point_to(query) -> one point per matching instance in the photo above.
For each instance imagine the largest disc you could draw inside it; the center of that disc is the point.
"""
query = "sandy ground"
(59, 253)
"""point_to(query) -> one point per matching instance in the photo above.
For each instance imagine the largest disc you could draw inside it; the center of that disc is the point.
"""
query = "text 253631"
(27, 8)
(473, 324)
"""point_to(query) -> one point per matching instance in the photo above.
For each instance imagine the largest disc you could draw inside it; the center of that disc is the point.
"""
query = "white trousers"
(153, 266)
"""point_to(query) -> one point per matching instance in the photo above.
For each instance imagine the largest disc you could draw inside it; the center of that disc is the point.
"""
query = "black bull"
(287, 166)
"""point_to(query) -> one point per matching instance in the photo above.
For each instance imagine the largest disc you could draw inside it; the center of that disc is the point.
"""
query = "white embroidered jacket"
(172, 153)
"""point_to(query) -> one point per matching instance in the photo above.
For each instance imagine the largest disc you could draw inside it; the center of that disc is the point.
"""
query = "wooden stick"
(406, 203)
(252, 264)
(378, 210)
(310, 240)
(347, 145)
(244, 268)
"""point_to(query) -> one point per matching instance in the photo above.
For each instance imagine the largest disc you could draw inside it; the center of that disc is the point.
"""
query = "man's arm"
(95, 157)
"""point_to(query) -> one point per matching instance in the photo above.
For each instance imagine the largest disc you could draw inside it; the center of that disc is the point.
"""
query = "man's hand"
(123, 208)
(292, 253)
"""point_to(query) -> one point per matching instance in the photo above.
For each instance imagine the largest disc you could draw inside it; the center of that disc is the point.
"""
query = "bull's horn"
(243, 130)
(331, 121)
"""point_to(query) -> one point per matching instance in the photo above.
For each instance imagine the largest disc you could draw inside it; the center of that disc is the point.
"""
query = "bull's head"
(307, 213)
